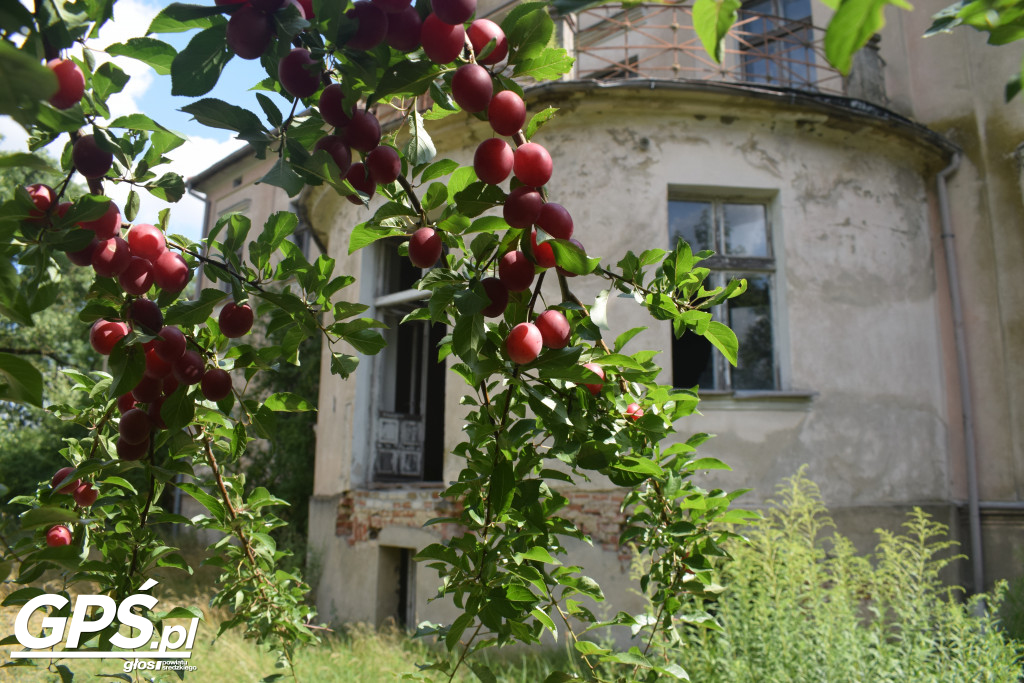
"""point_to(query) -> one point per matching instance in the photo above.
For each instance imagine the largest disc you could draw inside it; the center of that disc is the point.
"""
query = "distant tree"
(32, 437)
(285, 464)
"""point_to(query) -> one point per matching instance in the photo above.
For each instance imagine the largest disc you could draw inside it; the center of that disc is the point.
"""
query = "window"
(739, 233)
(777, 43)
(408, 380)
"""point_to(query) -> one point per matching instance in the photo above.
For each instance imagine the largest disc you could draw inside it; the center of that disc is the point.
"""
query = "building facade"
(877, 219)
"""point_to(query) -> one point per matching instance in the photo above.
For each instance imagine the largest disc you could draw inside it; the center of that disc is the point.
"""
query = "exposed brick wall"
(596, 513)
(363, 513)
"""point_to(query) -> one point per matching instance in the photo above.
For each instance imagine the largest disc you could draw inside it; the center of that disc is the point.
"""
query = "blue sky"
(233, 86)
(151, 94)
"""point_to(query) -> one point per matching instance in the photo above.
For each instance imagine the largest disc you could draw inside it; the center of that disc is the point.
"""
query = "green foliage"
(1003, 20)
(32, 438)
(285, 464)
(1011, 613)
(802, 604)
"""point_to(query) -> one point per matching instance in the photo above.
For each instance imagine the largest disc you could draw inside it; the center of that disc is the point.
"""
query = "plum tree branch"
(221, 265)
(413, 199)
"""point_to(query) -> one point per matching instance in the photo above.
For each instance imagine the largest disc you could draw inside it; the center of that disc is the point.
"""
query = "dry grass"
(357, 654)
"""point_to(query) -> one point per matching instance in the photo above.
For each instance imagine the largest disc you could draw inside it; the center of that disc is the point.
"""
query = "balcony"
(658, 41)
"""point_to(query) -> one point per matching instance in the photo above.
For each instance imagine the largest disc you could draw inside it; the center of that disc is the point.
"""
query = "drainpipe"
(966, 405)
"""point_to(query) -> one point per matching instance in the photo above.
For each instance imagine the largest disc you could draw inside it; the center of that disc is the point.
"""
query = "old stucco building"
(878, 219)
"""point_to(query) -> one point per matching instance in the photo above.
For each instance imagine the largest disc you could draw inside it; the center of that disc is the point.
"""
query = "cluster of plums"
(91, 160)
(83, 492)
(142, 264)
(170, 363)
(138, 259)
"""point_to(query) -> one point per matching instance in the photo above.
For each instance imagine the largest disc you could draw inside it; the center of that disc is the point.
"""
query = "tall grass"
(802, 605)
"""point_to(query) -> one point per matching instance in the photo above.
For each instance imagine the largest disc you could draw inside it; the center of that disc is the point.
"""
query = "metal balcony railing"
(659, 41)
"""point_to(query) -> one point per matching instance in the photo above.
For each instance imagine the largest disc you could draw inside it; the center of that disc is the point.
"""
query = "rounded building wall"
(856, 311)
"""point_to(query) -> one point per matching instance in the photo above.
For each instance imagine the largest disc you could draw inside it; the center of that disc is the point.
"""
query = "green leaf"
(178, 17)
(477, 198)
(194, 312)
(343, 364)
(539, 554)
(599, 311)
(519, 593)
(483, 672)
(196, 69)
(204, 499)
(25, 83)
(407, 78)
(21, 596)
(48, 516)
(543, 618)
(529, 29)
(178, 410)
(585, 647)
(456, 630)
(216, 113)
(724, 340)
(131, 209)
(365, 234)
(573, 259)
(549, 65)
(281, 175)
(108, 80)
(560, 676)
(274, 115)
(22, 160)
(538, 120)
(712, 20)
(420, 148)
(156, 53)
(436, 169)
(287, 402)
(852, 26)
(436, 195)
(20, 381)
(169, 187)
(127, 365)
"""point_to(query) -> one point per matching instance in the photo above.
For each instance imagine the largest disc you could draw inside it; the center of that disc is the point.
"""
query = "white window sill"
(757, 400)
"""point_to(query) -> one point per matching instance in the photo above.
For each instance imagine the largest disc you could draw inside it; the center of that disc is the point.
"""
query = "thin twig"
(219, 264)
(575, 638)
(465, 651)
(145, 510)
(404, 182)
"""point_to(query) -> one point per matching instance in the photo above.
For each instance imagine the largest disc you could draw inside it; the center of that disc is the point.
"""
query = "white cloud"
(196, 155)
(131, 19)
(14, 136)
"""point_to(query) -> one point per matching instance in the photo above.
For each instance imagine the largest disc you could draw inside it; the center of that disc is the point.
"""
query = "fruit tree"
(550, 401)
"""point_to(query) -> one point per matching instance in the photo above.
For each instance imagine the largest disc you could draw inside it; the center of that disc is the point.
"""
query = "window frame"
(725, 267)
(393, 305)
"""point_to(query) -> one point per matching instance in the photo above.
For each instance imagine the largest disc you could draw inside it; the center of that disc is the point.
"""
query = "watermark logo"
(171, 651)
